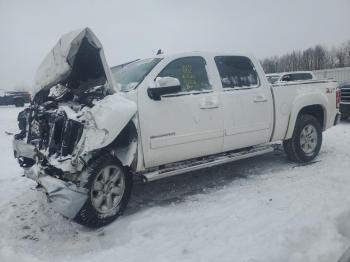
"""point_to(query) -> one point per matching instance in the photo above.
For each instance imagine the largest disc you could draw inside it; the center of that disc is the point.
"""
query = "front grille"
(38, 131)
(71, 136)
(65, 134)
(53, 132)
(345, 94)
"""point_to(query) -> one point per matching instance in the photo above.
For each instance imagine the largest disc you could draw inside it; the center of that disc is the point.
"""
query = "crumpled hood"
(77, 56)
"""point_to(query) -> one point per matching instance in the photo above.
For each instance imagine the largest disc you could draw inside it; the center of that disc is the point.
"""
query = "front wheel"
(109, 187)
(306, 141)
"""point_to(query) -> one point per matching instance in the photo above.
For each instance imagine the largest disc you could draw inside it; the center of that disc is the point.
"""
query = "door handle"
(260, 98)
(209, 103)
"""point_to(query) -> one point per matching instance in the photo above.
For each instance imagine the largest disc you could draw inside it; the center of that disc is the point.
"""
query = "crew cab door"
(183, 125)
(247, 102)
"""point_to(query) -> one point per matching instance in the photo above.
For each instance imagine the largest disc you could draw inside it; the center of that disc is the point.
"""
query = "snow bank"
(261, 209)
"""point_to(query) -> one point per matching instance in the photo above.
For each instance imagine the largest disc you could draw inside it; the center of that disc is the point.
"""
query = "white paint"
(55, 64)
(108, 118)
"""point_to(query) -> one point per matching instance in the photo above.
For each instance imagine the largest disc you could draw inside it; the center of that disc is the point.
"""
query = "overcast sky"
(136, 29)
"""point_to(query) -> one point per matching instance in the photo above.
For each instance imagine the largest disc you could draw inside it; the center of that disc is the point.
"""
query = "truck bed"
(292, 96)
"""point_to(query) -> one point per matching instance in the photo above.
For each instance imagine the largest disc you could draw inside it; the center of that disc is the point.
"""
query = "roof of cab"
(201, 53)
(191, 53)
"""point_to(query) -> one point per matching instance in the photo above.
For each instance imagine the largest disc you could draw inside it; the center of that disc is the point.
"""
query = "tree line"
(313, 58)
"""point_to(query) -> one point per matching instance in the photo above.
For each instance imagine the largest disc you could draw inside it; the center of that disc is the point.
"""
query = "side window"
(236, 72)
(190, 71)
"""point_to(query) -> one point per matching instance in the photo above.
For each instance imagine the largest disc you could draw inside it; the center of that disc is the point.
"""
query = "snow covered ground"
(261, 209)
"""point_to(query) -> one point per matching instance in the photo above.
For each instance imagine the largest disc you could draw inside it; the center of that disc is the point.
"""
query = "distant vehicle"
(290, 76)
(14, 98)
(345, 101)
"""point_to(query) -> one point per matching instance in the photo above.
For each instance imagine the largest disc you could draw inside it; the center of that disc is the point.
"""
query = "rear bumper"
(64, 196)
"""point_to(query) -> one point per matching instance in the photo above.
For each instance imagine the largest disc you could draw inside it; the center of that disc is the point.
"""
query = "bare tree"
(313, 58)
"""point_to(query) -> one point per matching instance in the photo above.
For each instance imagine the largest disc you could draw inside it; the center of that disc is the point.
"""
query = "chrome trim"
(220, 159)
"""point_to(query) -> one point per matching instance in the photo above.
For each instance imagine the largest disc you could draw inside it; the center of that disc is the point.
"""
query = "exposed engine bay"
(75, 114)
(55, 121)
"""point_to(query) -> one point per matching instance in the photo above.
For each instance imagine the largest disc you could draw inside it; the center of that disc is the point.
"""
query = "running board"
(205, 163)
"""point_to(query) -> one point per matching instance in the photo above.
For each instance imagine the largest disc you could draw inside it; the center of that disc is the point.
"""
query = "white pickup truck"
(91, 129)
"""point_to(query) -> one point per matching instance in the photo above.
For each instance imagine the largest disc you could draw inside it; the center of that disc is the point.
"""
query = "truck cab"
(214, 90)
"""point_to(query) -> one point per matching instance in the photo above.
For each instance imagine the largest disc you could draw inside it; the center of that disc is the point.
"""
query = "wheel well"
(124, 147)
(316, 111)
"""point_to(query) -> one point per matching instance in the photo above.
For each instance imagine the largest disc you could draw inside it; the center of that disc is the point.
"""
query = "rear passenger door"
(247, 103)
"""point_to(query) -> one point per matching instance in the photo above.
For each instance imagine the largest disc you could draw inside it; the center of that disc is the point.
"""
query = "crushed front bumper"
(64, 196)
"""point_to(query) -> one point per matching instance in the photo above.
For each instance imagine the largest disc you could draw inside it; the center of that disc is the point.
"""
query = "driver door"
(183, 125)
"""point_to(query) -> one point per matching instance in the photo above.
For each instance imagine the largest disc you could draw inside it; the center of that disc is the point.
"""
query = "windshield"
(273, 79)
(129, 76)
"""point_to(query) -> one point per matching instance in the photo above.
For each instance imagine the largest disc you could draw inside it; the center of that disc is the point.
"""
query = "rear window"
(236, 72)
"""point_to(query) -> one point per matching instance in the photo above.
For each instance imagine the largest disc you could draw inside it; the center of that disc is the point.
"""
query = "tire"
(302, 147)
(19, 103)
(96, 212)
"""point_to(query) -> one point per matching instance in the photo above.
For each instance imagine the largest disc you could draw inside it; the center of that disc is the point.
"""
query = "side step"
(188, 166)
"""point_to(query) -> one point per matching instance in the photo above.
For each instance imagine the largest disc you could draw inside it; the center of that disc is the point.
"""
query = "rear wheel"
(306, 141)
(109, 185)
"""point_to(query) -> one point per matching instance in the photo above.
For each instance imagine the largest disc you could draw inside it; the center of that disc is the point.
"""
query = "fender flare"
(301, 102)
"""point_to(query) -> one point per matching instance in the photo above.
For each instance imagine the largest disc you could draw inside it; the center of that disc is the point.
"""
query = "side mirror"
(164, 86)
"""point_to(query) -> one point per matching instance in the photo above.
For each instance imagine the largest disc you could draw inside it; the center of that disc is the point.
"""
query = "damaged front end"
(75, 113)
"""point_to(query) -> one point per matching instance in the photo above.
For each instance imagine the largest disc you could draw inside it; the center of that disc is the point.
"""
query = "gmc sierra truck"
(91, 129)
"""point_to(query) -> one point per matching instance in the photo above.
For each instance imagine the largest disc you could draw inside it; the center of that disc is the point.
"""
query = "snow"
(261, 209)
